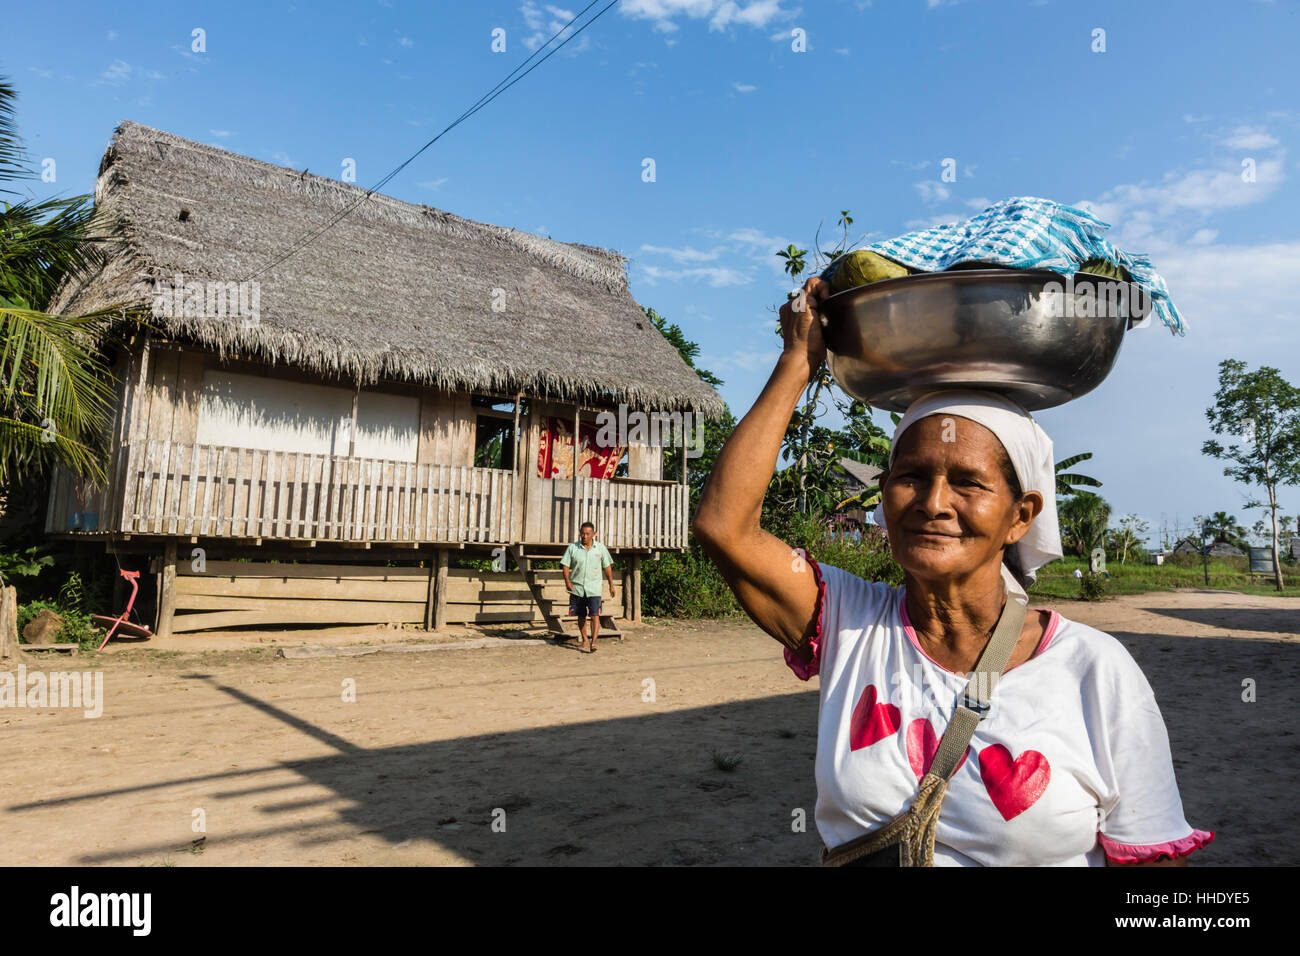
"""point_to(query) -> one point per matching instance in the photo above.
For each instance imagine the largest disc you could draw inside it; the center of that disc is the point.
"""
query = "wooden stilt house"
(316, 438)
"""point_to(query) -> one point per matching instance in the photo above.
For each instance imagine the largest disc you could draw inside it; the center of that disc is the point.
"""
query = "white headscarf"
(1030, 451)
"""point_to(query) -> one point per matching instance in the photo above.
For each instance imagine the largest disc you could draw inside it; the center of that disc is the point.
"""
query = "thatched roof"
(393, 291)
(1219, 549)
(866, 475)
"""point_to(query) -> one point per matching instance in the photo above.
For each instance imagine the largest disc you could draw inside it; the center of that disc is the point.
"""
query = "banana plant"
(1065, 483)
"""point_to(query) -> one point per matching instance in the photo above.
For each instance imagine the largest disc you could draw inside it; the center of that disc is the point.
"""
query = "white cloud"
(717, 277)
(939, 219)
(220, 133)
(1236, 292)
(283, 159)
(1246, 137)
(432, 183)
(551, 23)
(754, 237)
(682, 256)
(406, 41)
(932, 192)
(1141, 207)
(745, 360)
(1203, 237)
(721, 14)
(755, 14)
(118, 72)
(744, 87)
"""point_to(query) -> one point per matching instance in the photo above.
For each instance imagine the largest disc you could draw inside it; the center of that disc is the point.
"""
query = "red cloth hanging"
(555, 452)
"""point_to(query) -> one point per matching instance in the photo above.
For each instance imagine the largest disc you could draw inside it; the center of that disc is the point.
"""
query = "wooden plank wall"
(237, 593)
(447, 426)
(207, 490)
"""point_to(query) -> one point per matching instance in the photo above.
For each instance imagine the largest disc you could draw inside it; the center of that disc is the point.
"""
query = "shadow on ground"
(645, 790)
(1269, 620)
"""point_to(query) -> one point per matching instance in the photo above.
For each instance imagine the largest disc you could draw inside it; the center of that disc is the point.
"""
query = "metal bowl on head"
(1025, 334)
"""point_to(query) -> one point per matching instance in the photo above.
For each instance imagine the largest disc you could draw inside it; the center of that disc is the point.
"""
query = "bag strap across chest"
(973, 706)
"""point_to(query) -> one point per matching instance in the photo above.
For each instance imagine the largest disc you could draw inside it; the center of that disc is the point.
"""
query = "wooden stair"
(547, 588)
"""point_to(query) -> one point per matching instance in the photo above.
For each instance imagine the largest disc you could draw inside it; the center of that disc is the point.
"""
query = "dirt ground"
(520, 751)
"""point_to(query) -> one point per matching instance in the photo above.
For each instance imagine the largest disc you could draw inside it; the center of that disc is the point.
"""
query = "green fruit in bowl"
(1102, 267)
(861, 267)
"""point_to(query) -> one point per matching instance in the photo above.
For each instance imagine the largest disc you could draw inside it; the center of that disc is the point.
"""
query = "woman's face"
(948, 505)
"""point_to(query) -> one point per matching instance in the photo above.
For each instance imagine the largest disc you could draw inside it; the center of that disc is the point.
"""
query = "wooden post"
(352, 431)
(137, 432)
(166, 592)
(514, 455)
(440, 591)
(636, 588)
(573, 508)
(627, 595)
(9, 623)
(432, 598)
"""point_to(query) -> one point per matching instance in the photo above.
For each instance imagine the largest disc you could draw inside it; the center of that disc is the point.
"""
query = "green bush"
(1092, 587)
(685, 585)
(690, 585)
(78, 627)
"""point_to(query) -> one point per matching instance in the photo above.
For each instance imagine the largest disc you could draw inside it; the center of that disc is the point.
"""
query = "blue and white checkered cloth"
(1028, 233)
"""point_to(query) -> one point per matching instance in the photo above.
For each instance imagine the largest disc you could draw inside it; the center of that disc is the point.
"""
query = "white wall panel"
(253, 411)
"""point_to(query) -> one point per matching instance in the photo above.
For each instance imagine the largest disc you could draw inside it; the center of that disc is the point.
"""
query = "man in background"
(583, 563)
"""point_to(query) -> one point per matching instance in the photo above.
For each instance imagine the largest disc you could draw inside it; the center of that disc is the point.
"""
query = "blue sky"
(755, 143)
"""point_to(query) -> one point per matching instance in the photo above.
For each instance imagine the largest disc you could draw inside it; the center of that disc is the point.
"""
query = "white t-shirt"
(1070, 766)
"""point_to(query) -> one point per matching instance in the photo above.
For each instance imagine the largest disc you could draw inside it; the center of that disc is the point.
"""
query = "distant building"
(1220, 549)
(859, 478)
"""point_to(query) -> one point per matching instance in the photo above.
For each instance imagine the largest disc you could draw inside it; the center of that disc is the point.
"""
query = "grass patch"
(1057, 580)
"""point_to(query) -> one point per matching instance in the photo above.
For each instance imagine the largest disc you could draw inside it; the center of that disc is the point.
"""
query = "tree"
(687, 349)
(55, 392)
(716, 430)
(1261, 412)
(1226, 528)
(1065, 482)
(800, 446)
(1084, 517)
(1132, 530)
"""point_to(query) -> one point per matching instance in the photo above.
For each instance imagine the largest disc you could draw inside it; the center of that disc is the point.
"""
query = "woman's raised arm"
(770, 580)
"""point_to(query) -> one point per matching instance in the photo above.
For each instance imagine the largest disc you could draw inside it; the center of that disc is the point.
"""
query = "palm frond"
(1073, 460)
(24, 445)
(12, 160)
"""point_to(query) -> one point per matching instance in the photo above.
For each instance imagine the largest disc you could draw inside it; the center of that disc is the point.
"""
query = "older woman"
(1068, 761)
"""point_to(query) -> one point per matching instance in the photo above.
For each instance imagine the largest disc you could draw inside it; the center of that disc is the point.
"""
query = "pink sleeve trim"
(1149, 852)
(801, 670)
(1053, 622)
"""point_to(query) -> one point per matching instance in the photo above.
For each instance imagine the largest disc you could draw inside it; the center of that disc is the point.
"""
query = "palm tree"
(1225, 527)
(1084, 518)
(1065, 482)
(55, 393)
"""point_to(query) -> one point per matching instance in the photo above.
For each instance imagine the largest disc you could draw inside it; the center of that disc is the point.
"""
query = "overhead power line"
(510, 80)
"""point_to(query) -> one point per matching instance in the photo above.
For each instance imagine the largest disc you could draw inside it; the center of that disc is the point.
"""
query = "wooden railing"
(635, 514)
(191, 489)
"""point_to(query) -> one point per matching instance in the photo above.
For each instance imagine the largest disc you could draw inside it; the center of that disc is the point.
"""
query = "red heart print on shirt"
(872, 721)
(1013, 785)
(922, 745)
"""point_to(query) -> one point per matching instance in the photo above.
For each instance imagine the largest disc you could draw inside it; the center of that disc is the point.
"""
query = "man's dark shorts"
(582, 607)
